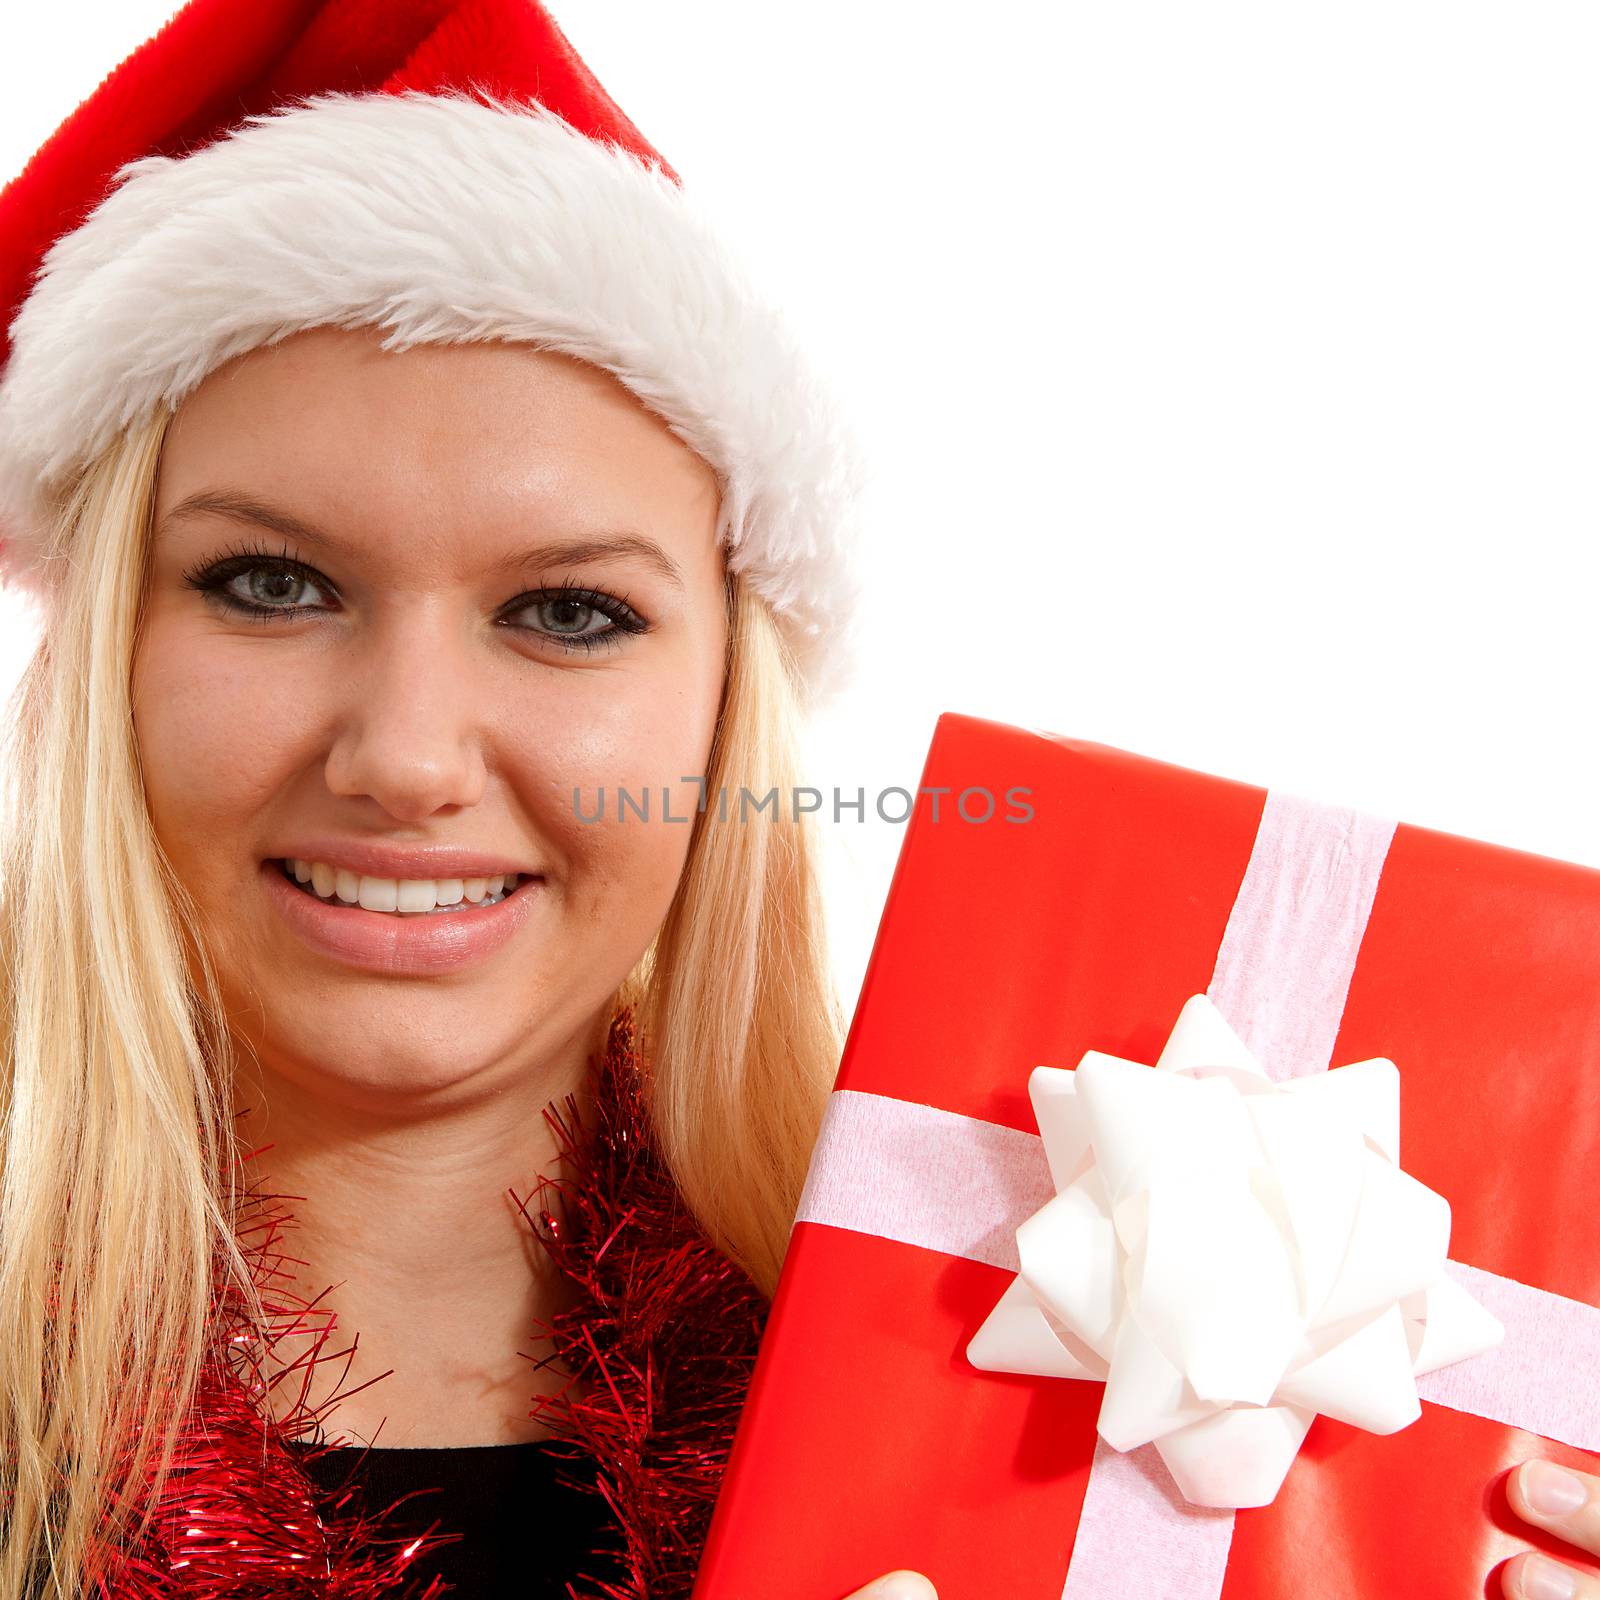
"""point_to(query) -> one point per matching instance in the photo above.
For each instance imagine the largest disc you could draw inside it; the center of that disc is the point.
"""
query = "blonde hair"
(117, 1165)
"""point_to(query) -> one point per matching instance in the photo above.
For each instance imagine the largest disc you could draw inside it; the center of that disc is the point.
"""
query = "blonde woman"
(404, 475)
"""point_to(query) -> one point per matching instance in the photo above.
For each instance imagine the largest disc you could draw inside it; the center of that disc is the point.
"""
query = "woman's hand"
(899, 1585)
(1568, 1504)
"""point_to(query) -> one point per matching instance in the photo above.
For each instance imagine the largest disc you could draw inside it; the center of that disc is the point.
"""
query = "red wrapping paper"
(869, 1443)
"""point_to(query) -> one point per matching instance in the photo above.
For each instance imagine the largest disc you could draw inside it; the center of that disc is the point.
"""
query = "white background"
(1231, 372)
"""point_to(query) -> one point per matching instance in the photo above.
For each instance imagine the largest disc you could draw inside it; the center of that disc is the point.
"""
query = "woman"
(405, 476)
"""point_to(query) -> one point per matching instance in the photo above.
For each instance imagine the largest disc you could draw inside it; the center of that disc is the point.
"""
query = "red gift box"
(1025, 928)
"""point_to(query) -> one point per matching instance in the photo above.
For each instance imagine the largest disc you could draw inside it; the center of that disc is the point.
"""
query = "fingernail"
(900, 1586)
(1552, 1491)
(1547, 1580)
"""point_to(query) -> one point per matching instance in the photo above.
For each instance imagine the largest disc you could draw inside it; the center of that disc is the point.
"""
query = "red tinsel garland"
(238, 1517)
(659, 1343)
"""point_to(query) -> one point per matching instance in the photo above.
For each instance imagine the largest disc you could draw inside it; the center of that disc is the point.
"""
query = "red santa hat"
(445, 170)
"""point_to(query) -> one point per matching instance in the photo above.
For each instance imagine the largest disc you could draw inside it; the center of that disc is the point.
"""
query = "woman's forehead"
(457, 393)
(332, 431)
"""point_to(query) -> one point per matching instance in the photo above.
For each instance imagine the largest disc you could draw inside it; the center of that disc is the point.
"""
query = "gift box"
(1056, 901)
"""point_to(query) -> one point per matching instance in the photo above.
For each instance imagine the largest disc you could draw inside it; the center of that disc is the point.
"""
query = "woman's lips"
(381, 941)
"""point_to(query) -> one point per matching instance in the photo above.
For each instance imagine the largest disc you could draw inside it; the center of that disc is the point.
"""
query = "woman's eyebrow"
(247, 509)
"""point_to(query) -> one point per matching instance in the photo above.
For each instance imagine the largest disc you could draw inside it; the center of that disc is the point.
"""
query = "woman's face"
(483, 577)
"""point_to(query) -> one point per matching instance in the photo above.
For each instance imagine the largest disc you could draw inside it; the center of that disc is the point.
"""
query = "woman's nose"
(414, 715)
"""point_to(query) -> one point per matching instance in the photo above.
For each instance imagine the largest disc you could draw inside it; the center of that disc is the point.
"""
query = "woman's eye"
(257, 588)
(580, 619)
(570, 618)
(275, 588)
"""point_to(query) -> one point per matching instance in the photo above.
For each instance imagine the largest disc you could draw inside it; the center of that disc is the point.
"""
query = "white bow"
(1230, 1256)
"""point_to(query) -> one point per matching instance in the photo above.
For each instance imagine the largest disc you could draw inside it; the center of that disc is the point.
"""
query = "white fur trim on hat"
(442, 219)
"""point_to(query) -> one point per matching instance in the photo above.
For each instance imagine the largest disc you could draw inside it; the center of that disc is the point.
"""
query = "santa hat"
(446, 170)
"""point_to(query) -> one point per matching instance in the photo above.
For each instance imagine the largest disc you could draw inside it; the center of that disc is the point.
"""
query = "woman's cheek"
(623, 853)
(212, 735)
(627, 816)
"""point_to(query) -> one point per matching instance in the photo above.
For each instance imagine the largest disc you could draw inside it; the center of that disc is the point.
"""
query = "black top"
(526, 1534)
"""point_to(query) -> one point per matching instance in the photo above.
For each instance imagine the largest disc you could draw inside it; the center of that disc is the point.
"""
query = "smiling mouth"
(462, 907)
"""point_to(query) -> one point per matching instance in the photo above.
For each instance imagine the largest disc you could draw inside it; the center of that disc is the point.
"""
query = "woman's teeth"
(406, 897)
